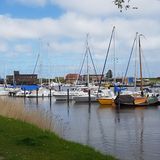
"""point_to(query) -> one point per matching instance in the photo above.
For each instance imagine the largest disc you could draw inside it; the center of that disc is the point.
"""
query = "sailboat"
(107, 98)
(141, 99)
(3, 91)
(84, 96)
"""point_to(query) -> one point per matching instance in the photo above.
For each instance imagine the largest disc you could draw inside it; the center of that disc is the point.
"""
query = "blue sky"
(21, 10)
(56, 30)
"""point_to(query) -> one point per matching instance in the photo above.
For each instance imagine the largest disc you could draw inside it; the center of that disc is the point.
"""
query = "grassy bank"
(22, 141)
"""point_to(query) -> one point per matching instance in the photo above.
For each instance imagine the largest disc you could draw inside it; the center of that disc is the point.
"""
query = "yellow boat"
(106, 100)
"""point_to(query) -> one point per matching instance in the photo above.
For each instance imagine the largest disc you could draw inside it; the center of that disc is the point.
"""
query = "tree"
(119, 3)
(123, 4)
(109, 74)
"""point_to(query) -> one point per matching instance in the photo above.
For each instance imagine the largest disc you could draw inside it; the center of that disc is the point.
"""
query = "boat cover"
(29, 87)
(124, 99)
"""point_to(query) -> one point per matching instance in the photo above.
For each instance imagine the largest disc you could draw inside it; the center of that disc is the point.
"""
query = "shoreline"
(20, 140)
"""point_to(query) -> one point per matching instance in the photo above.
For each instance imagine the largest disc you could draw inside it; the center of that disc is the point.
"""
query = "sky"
(53, 34)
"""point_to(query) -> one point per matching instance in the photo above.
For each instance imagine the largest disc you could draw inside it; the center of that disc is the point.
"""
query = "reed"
(16, 110)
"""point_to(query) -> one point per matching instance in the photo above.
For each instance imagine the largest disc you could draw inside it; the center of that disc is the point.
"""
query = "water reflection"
(130, 134)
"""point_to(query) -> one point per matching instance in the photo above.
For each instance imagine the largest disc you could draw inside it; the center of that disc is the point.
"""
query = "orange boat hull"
(106, 101)
(140, 100)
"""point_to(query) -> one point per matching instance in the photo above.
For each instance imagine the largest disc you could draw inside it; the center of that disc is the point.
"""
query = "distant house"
(93, 78)
(20, 79)
(72, 78)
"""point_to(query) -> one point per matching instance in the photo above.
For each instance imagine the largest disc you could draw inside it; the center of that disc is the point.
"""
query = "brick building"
(92, 78)
(20, 79)
(72, 78)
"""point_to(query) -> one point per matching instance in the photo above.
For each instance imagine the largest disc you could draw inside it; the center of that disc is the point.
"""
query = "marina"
(80, 80)
(115, 119)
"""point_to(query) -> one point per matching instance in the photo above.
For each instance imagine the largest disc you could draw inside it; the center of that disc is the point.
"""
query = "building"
(20, 79)
(92, 78)
(72, 78)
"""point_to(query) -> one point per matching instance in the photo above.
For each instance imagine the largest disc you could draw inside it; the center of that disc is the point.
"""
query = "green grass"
(23, 141)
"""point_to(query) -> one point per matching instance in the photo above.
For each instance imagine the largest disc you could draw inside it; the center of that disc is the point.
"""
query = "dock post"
(24, 93)
(50, 97)
(89, 101)
(68, 96)
(119, 105)
(37, 95)
(89, 96)
(50, 93)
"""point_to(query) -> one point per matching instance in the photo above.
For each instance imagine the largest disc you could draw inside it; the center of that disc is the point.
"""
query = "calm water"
(130, 134)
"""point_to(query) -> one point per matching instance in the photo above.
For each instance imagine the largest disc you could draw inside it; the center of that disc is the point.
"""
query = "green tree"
(119, 3)
(123, 4)
(109, 74)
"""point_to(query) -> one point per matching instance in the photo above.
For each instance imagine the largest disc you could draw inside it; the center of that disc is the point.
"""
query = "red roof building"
(72, 78)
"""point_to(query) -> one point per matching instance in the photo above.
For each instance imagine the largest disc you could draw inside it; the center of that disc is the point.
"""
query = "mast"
(114, 58)
(87, 61)
(140, 60)
(36, 64)
(106, 58)
(130, 57)
(135, 74)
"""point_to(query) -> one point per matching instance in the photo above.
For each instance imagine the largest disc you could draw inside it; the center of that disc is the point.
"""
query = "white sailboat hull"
(42, 92)
(85, 98)
(4, 93)
(62, 95)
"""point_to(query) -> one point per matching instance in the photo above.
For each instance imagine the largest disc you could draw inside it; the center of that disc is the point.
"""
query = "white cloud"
(74, 27)
(88, 7)
(101, 8)
(14, 28)
(147, 8)
(66, 47)
(22, 48)
(107, 8)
